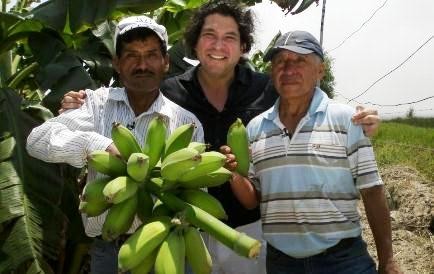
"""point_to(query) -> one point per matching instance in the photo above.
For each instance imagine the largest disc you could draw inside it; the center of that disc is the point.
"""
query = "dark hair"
(234, 9)
(137, 34)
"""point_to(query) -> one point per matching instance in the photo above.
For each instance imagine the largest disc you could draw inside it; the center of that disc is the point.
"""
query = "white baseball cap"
(133, 22)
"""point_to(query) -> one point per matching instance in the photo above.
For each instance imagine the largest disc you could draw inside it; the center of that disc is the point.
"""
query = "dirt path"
(411, 202)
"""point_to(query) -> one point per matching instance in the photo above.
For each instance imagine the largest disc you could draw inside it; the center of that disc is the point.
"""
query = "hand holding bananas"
(161, 183)
(238, 161)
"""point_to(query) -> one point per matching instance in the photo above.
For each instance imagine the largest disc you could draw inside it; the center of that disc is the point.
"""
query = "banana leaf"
(32, 224)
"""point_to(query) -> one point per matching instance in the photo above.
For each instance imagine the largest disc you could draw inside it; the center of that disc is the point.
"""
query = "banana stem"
(239, 242)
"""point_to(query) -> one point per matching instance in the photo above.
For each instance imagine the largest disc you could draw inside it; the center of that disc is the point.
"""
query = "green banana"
(215, 178)
(106, 163)
(142, 243)
(155, 140)
(92, 201)
(179, 162)
(94, 208)
(205, 201)
(171, 254)
(179, 138)
(200, 147)
(238, 141)
(92, 191)
(138, 166)
(119, 219)
(145, 204)
(161, 209)
(124, 140)
(146, 265)
(120, 189)
(196, 252)
(239, 242)
(210, 161)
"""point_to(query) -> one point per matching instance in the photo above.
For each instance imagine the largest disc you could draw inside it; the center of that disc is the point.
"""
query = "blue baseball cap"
(298, 41)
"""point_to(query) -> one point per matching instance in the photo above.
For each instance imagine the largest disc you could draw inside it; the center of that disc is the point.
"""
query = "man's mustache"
(143, 72)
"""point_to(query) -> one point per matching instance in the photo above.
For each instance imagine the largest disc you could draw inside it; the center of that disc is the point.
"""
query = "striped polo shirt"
(71, 136)
(309, 182)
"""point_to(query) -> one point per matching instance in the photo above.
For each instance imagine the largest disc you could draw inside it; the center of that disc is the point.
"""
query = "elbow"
(30, 145)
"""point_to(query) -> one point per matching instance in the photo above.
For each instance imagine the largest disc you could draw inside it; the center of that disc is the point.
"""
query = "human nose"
(141, 62)
(218, 43)
(289, 66)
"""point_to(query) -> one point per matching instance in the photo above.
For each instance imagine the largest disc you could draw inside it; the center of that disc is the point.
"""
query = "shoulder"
(102, 92)
(258, 123)
(174, 89)
(339, 110)
(177, 111)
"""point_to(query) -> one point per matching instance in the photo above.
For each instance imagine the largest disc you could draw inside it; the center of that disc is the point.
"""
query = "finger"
(68, 99)
(359, 108)
(225, 149)
(362, 112)
(230, 158)
(369, 120)
(231, 166)
(71, 105)
(82, 93)
(75, 94)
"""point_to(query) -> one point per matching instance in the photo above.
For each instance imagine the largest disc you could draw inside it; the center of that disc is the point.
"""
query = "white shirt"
(71, 136)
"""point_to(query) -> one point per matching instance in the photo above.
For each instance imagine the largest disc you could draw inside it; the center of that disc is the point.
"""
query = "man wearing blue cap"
(310, 166)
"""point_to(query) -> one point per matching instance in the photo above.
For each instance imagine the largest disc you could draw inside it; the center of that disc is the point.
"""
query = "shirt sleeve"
(67, 138)
(362, 158)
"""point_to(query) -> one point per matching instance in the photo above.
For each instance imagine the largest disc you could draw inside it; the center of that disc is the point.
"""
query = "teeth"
(217, 57)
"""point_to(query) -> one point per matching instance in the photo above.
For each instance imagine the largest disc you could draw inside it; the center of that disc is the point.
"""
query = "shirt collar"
(160, 105)
(319, 103)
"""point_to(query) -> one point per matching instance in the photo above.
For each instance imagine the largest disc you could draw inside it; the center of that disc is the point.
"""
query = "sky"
(371, 49)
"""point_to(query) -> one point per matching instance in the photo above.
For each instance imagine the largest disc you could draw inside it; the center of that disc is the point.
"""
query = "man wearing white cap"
(141, 61)
(310, 167)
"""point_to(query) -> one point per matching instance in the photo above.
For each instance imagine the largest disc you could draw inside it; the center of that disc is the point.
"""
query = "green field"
(407, 142)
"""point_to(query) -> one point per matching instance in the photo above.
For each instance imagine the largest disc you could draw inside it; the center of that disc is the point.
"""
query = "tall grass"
(408, 142)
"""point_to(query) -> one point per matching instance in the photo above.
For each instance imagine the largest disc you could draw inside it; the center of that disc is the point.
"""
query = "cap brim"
(269, 55)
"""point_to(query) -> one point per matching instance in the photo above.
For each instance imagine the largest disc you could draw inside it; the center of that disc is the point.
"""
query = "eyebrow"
(210, 29)
(147, 51)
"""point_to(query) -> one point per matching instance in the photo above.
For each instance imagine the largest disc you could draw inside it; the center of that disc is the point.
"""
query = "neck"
(292, 110)
(141, 102)
(216, 89)
(221, 82)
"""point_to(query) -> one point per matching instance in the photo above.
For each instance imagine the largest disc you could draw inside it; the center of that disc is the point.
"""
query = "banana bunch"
(159, 183)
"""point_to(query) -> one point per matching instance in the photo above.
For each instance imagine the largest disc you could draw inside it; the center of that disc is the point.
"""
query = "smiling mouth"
(217, 57)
